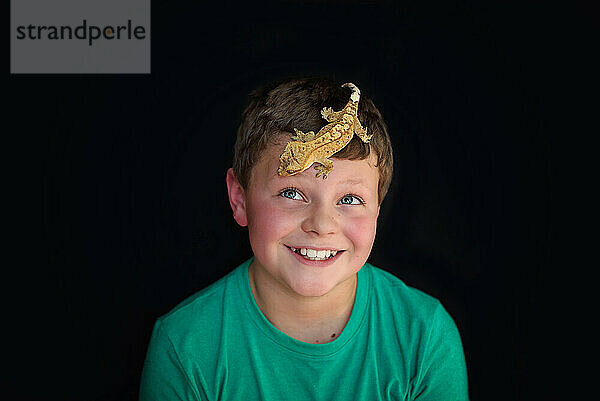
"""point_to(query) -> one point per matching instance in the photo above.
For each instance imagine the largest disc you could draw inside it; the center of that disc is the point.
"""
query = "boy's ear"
(237, 198)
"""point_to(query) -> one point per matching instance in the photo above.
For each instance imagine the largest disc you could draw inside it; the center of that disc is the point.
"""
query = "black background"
(121, 204)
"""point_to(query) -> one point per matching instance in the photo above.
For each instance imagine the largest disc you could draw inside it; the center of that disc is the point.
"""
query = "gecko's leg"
(330, 115)
(361, 132)
(303, 136)
(324, 167)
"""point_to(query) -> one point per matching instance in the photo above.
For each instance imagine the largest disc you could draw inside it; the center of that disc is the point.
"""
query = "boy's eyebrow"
(353, 181)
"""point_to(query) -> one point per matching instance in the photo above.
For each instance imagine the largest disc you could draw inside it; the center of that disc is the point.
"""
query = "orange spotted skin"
(308, 148)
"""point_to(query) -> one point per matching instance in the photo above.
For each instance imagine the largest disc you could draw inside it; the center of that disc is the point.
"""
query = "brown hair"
(283, 105)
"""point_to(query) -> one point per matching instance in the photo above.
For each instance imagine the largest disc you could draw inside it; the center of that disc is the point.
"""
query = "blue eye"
(351, 200)
(291, 193)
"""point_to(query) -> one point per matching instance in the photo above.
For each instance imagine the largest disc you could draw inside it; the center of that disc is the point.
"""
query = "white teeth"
(313, 254)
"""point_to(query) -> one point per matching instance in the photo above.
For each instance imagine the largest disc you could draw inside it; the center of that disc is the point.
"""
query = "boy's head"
(309, 235)
(279, 107)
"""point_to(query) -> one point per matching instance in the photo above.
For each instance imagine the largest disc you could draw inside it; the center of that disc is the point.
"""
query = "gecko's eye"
(290, 171)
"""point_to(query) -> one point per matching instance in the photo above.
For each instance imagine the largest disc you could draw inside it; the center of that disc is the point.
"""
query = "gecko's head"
(288, 172)
(288, 165)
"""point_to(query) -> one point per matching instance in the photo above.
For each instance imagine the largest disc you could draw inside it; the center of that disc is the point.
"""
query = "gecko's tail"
(355, 91)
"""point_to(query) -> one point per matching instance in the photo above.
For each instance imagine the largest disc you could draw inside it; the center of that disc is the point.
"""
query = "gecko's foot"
(303, 136)
(323, 171)
(327, 113)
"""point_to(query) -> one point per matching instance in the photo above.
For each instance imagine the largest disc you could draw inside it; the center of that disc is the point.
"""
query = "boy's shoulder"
(393, 293)
(199, 311)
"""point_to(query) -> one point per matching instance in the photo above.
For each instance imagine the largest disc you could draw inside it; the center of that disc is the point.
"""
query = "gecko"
(307, 148)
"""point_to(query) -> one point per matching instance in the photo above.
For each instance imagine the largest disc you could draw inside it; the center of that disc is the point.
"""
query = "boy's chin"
(312, 288)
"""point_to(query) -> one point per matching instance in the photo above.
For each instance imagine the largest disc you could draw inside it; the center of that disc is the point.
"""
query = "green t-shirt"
(399, 344)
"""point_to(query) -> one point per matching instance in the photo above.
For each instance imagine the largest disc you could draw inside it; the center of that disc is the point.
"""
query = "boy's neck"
(314, 320)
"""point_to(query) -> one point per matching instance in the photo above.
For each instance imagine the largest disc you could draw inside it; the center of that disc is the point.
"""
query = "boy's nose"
(321, 220)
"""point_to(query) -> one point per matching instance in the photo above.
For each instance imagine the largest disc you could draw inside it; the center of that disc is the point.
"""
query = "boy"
(307, 318)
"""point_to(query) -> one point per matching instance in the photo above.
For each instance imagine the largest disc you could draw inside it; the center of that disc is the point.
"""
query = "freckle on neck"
(333, 335)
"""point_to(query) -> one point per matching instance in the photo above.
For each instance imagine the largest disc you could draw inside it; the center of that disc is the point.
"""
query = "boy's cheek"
(270, 221)
(361, 226)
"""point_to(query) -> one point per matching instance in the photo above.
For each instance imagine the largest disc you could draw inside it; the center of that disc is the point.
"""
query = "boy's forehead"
(271, 157)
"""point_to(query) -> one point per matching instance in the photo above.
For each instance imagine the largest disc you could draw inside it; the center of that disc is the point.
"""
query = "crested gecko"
(307, 148)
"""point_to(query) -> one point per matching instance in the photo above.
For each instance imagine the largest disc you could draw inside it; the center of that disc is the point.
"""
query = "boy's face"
(284, 214)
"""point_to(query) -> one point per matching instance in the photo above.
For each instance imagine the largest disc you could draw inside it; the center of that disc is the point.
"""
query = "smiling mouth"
(313, 254)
